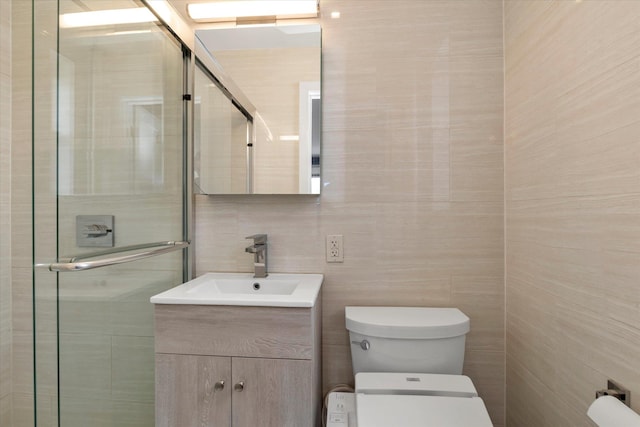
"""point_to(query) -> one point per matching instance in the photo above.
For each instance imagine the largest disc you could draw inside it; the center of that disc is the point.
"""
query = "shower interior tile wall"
(5, 215)
(572, 206)
(412, 165)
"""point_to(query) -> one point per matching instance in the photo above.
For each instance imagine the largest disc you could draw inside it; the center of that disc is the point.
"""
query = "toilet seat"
(415, 384)
(379, 410)
(408, 400)
(417, 400)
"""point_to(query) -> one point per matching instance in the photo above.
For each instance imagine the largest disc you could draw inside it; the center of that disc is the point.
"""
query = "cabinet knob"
(239, 386)
(219, 386)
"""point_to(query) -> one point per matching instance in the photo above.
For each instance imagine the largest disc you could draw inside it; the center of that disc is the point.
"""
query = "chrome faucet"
(259, 251)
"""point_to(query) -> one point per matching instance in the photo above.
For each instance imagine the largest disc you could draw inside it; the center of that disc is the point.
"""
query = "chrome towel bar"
(80, 263)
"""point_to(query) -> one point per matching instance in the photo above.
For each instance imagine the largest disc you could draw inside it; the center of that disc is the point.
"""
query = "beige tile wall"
(22, 378)
(572, 172)
(412, 165)
(5, 215)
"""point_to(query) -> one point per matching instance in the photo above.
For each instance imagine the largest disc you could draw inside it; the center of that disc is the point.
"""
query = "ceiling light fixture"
(231, 10)
(106, 17)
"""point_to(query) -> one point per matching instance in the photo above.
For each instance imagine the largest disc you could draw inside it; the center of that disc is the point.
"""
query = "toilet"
(407, 363)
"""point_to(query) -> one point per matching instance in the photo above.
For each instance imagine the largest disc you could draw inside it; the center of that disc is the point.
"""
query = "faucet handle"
(258, 239)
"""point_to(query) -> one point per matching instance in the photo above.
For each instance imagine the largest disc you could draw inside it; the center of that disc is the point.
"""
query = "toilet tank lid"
(407, 322)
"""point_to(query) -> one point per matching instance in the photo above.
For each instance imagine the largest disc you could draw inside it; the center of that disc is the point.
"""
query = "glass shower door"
(109, 175)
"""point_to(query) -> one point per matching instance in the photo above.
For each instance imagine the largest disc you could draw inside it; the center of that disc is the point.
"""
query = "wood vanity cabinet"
(236, 366)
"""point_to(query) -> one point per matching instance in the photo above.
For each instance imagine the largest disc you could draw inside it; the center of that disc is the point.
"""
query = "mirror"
(265, 137)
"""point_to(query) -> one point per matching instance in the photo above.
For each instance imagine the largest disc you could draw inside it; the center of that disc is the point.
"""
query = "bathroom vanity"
(221, 363)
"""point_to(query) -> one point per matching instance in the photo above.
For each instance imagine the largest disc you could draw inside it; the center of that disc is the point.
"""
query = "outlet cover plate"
(335, 248)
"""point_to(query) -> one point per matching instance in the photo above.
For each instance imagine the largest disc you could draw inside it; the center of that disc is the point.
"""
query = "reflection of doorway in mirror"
(309, 142)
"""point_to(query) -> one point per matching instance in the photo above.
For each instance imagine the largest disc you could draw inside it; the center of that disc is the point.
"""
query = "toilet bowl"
(408, 364)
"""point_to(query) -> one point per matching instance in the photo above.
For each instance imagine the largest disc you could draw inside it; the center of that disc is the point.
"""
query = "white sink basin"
(276, 290)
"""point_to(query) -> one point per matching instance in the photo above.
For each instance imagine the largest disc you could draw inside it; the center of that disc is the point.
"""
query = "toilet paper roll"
(607, 411)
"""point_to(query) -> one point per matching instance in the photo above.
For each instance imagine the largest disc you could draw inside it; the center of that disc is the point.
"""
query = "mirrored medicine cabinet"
(257, 110)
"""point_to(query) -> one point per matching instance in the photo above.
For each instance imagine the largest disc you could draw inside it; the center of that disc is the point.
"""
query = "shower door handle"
(79, 263)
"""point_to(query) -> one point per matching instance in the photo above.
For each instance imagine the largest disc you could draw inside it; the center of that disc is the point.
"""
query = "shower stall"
(111, 203)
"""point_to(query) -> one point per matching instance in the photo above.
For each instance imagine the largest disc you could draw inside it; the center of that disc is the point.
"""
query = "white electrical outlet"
(335, 250)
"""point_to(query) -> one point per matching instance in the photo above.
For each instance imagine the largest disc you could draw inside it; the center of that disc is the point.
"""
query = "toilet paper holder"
(616, 390)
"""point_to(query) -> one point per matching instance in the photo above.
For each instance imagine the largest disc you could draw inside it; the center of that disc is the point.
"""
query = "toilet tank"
(407, 339)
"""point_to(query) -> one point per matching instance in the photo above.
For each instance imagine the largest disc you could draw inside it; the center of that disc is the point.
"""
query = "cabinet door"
(276, 393)
(186, 391)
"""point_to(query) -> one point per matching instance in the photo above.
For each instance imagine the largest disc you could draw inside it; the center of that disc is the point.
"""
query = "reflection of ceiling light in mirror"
(237, 9)
(335, 15)
(289, 138)
(106, 17)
